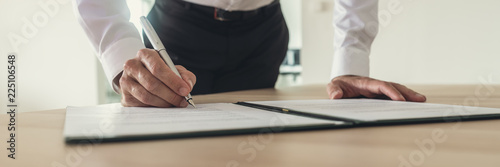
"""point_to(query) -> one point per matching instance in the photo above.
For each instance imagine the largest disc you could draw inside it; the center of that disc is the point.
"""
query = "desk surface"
(474, 143)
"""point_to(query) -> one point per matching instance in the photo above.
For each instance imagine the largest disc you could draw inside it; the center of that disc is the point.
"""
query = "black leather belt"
(224, 15)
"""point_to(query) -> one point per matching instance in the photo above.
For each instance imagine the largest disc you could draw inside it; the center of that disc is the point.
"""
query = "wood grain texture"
(473, 143)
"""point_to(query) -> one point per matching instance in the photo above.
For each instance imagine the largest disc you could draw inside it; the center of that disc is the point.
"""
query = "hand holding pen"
(147, 80)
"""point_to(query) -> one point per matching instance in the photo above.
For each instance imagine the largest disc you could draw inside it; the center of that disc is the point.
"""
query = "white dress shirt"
(116, 40)
(355, 27)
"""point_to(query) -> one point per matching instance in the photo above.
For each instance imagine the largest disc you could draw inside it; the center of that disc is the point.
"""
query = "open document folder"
(112, 122)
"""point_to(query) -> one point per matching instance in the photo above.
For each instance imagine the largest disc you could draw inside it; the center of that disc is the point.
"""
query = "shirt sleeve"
(356, 25)
(113, 37)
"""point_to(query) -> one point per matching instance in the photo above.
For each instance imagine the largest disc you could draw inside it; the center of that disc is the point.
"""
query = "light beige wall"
(56, 67)
(293, 16)
(423, 42)
(317, 40)
(439, 41)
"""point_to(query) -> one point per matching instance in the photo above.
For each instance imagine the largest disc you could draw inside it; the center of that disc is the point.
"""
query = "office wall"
(56, 67)
(293, 16)
(421, 42)
(317, 41)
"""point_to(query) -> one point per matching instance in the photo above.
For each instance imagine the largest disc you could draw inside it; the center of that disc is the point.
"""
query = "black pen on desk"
(158, 46)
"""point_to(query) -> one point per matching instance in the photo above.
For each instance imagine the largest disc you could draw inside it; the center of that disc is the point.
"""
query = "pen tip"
(190, 101)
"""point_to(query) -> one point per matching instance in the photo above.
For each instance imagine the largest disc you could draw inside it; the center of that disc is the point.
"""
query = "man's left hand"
(349, 86)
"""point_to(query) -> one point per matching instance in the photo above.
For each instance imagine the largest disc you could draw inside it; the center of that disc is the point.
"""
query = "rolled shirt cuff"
(115, 56)
(350, 61)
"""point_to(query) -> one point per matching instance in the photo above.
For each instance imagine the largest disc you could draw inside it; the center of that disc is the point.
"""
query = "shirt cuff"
(115, 56)
(350, 61)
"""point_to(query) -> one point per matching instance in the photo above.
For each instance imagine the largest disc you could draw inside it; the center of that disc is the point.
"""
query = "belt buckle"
(216, 15)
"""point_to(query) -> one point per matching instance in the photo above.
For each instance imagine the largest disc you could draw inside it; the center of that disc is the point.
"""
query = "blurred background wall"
(56, 66)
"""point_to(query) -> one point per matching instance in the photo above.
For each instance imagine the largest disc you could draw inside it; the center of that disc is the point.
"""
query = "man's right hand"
(147, 81)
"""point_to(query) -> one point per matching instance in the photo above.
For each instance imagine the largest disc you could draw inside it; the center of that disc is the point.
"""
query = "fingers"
(157, 67)
(387, 89)
(147, 81)
(409, 94)
(142, 77)
(134, 94)
(130, 101)
(334, 90)
(187, 76)
(355, 86)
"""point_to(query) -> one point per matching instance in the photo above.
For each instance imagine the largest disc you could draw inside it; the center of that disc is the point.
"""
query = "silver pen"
(158, 45)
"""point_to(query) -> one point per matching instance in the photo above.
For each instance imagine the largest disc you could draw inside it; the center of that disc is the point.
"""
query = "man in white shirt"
(223, 45)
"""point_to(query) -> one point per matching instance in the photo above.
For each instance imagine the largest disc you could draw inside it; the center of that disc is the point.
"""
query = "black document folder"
(112, 122)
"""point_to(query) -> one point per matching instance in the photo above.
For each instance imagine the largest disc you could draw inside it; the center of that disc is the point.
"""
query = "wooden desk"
(475, 143)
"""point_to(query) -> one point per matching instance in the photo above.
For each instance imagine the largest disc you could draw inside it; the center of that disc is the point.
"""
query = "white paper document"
(377, 110)
(115, 121)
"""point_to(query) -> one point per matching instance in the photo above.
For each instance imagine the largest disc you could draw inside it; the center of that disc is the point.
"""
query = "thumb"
(334, 91)
(187, 76)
